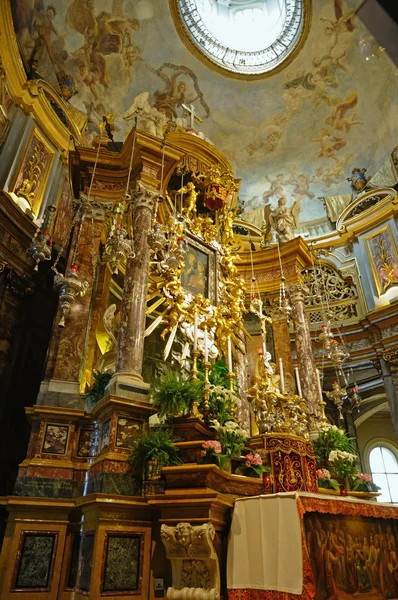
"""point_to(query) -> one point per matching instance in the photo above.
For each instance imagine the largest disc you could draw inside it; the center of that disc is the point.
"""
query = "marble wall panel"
(74, 562)
(105, 434)
(126, 428)
(86, 561)
(88, 443)
(122, 563)
(55, 439)
(35, 561)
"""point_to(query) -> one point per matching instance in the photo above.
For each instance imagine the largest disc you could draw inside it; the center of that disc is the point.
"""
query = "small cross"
(193, 117)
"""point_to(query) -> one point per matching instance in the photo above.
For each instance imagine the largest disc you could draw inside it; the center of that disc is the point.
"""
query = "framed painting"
(199, 275)
(383, 258)
(55, 439)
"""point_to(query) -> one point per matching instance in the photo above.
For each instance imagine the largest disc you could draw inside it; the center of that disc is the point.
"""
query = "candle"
(230, 369)
(319, 385)
(298, 382)
(195, 333)
(206, 348)
(281, 375)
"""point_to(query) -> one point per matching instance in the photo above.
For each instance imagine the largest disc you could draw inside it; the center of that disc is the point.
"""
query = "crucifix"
(193, 117)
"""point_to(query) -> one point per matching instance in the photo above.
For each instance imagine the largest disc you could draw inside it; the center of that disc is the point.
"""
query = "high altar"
(166, 317)
(154, 258)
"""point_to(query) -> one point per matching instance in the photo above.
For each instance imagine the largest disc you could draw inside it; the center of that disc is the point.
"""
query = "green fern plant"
(173, 395)
(157, 444)
(96, 392)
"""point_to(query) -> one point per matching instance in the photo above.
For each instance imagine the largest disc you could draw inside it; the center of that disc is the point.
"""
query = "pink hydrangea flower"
(323, 474)
(365, 477)
(253, 459)
(212, 446)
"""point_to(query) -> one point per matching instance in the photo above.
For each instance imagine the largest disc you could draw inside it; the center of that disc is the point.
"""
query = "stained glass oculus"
(244, 36)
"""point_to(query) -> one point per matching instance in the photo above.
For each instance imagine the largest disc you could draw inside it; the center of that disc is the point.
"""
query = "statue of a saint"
(284, 220)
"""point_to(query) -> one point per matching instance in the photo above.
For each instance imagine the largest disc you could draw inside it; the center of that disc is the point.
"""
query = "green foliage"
(330, 439)
(156, 443)
(328, 484)
(174, 395)
(221, 400)
(96, 392)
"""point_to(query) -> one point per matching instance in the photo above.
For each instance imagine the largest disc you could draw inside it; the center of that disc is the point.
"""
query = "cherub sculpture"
(189, 208)
(284, 220)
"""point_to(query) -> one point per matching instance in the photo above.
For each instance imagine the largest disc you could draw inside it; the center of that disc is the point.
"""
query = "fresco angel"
(338, 119)
(329, 144)
(173, 95)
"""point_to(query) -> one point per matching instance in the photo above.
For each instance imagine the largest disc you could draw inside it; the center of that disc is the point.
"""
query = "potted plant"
(232, 439)
(362, 482)
(253, 466)
(211, 453)
(174, 395)
(96, 392)
(153, 449)
(326, 481)
(330, 438)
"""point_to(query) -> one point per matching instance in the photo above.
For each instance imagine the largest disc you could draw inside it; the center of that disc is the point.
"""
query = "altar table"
(302, 545)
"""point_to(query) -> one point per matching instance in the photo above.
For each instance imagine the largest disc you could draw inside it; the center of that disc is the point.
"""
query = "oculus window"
(244, 37)
(384, 468)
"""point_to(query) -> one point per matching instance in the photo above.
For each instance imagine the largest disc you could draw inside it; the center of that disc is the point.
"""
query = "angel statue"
(284, 220)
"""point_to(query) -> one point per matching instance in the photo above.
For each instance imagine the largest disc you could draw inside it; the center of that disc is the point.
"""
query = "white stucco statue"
(284, 220)
(149, 119)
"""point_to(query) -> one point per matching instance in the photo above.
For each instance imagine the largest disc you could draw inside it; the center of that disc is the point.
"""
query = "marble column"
(281, 335)
(127, 381)
(305, 359)
(243, 409)
(66, 355)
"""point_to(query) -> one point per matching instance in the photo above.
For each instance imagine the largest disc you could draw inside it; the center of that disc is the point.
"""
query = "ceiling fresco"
(298, 133)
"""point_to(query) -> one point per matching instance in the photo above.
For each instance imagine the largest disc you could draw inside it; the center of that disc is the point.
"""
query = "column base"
(128, 386)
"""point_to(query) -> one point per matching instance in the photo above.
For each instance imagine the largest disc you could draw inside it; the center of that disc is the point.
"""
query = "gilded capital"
(297, 292)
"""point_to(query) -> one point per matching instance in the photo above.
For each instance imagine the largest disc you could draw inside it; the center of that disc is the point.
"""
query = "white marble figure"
(284, 220)
(150, 120)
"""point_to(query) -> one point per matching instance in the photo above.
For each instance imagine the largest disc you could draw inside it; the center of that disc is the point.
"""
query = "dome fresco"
(297, 133)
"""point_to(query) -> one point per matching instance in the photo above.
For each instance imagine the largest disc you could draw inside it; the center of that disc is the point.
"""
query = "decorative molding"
(194, 561)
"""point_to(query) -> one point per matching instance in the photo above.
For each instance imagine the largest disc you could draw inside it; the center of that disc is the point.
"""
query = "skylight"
(244, 36)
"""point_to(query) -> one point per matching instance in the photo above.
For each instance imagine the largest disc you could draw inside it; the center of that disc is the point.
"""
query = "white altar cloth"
(264, 548)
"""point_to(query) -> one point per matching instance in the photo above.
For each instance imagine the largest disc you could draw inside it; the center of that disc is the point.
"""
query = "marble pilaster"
(127, 381)
(243, 409)
(305, 359)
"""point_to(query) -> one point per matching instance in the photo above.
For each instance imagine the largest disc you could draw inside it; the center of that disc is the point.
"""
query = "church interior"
(198, 299)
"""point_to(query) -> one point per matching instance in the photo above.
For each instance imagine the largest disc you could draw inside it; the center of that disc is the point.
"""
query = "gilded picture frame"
(382, 253)
(34, 169)
(199, 275)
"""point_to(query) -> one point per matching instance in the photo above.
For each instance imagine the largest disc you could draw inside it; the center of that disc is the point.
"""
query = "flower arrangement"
(231, 437)
(362, 482)
(342, 463)
(330, 438)
(326, 481)
(253, 466)
(212, 453)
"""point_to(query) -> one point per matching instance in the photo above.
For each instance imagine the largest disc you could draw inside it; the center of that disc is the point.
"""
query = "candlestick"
(194, 370)
(195, 332)
(206, 391)
(230, 369)
(298, 382)
(206, 353)
(282, 378)
(319, 386)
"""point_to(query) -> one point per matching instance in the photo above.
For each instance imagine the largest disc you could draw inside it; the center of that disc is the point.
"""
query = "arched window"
(384, 468)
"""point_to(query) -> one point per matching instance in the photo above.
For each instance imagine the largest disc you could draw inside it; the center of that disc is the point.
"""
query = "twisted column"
(305, 359)
(127, 381)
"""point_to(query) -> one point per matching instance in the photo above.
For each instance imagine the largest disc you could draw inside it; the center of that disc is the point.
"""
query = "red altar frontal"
(336, 549)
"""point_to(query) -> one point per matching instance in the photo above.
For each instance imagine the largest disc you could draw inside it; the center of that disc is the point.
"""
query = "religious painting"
(55, 439)
(35, 561)
(351, 556)
(126, 428)
(106, 433)
(122, 563)
(88, 443)
(199, 273)
(31, 179)
(383, 258)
